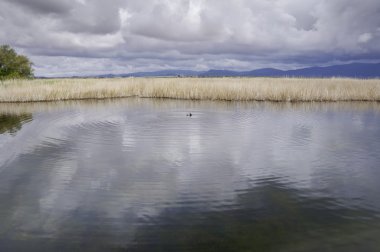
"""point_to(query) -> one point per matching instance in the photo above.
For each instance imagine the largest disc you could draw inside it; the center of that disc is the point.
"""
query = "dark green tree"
(14, 66)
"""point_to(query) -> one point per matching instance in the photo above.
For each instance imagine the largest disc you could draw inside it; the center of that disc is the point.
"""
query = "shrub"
(14, 66)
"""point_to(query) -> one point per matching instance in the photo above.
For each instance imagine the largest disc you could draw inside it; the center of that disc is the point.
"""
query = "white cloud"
(365, 37)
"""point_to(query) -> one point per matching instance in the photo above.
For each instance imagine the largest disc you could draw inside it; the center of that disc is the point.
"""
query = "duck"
(189, 114)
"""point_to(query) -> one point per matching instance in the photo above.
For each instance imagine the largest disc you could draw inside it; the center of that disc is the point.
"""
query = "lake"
(141, 175)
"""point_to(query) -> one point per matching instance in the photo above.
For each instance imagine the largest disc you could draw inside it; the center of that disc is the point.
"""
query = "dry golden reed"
(232, 89)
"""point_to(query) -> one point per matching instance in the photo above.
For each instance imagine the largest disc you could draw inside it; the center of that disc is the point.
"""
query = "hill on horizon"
(354, 70)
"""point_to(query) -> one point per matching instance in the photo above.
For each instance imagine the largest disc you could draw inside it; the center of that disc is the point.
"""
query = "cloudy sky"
(80, 37)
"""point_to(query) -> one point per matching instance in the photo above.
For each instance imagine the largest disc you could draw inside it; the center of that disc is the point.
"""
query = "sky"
(91, 37)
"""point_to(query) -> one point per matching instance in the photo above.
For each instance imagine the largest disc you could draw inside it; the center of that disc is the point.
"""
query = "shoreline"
(218, 89)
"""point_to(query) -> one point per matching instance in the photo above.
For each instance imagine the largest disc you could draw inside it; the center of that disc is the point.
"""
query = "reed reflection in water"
(138, 175)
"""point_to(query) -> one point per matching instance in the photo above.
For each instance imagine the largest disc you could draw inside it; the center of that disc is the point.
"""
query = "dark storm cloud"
(43, 6)
(99, 17)
(194, 34)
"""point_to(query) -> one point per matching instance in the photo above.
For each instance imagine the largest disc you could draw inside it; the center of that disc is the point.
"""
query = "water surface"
(139, 175)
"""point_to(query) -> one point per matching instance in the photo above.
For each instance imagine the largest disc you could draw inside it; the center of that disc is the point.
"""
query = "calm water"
(139, 175)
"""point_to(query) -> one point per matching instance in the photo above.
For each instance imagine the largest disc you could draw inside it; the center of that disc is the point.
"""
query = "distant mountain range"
(355, 70)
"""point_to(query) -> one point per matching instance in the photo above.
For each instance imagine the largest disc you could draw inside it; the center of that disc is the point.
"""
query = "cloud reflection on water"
(112, 169)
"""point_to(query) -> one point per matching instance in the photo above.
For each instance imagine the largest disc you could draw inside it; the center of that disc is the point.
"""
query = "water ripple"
(140, 174)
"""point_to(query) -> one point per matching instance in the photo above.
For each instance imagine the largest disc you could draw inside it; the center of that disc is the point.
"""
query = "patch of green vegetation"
(14, 66)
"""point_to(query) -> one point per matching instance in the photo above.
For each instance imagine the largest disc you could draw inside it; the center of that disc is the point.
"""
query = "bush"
(14, 66)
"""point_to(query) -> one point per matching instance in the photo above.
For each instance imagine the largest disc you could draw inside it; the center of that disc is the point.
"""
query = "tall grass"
(233, 89)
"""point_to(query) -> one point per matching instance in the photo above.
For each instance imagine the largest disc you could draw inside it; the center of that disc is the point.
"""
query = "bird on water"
(189, 114)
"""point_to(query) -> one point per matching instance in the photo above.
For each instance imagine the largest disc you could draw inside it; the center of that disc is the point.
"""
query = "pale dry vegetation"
(232, 89)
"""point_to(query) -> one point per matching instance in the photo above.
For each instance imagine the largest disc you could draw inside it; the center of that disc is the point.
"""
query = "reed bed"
(231, 89)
